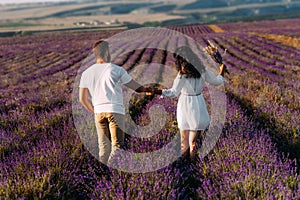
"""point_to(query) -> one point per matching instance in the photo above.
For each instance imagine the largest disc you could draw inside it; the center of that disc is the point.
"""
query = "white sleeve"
(84, 81)
(125, 77)
(176, 88)
(212, 79)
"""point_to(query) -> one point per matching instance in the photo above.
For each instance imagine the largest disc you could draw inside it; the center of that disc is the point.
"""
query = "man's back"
(104, 84)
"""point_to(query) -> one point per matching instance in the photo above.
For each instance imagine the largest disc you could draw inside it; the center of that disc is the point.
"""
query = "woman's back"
(192, 86)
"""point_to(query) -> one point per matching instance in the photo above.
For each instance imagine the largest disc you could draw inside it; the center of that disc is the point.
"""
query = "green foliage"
(151, 24)
(17, 24)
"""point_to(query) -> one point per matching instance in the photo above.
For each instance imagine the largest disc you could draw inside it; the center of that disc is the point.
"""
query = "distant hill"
(200, 4)
(135, 13)
(203, 11)
(219, 11)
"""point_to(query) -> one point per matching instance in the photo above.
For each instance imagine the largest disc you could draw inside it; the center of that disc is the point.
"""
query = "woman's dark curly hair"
(185, 58)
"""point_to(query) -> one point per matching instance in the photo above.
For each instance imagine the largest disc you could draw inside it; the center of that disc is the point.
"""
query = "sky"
(27, 1)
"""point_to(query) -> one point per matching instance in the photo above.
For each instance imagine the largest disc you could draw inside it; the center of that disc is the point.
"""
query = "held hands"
(148, 90)
(152, 90)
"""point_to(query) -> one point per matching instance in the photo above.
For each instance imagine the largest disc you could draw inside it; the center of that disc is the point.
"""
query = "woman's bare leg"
(184, 143)
(193, 135)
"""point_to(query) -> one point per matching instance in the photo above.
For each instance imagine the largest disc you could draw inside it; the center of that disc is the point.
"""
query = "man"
(102, 82)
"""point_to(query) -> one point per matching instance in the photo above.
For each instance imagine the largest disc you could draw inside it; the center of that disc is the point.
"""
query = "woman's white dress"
(192, 112)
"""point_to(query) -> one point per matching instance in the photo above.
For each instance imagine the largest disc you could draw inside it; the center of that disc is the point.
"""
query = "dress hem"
(193, 129)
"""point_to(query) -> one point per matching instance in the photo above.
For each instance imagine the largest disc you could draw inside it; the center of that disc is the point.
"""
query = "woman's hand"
(151, 89)
(223, 69)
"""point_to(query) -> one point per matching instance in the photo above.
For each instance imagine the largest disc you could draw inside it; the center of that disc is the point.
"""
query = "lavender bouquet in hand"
(214, 53)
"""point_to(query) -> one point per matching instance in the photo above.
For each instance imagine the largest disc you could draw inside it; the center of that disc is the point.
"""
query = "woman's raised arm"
(212, 79)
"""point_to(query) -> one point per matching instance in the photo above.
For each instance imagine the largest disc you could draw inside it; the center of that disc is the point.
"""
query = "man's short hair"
(100, 48)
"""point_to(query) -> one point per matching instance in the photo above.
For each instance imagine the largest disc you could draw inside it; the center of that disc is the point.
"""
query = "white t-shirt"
(104, 84)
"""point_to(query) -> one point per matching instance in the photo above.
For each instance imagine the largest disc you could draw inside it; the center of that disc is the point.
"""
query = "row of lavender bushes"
(42, 156)
(244, 164)
(265, 83)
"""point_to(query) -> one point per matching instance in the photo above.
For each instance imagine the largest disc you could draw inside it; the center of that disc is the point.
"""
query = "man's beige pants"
(110, 134)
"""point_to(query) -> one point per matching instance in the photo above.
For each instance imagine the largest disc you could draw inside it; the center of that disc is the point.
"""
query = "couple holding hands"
(102, 82)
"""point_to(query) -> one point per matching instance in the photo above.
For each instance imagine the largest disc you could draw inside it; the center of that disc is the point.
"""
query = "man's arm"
(84, 99)
(137, 87)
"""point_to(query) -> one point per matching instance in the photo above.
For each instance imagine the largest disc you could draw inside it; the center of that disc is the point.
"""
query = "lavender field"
(256, 157)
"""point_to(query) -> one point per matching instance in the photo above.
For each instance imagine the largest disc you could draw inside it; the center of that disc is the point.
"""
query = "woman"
(192, 114)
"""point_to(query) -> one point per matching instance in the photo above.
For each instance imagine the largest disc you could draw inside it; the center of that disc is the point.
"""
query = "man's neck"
(100, 61)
